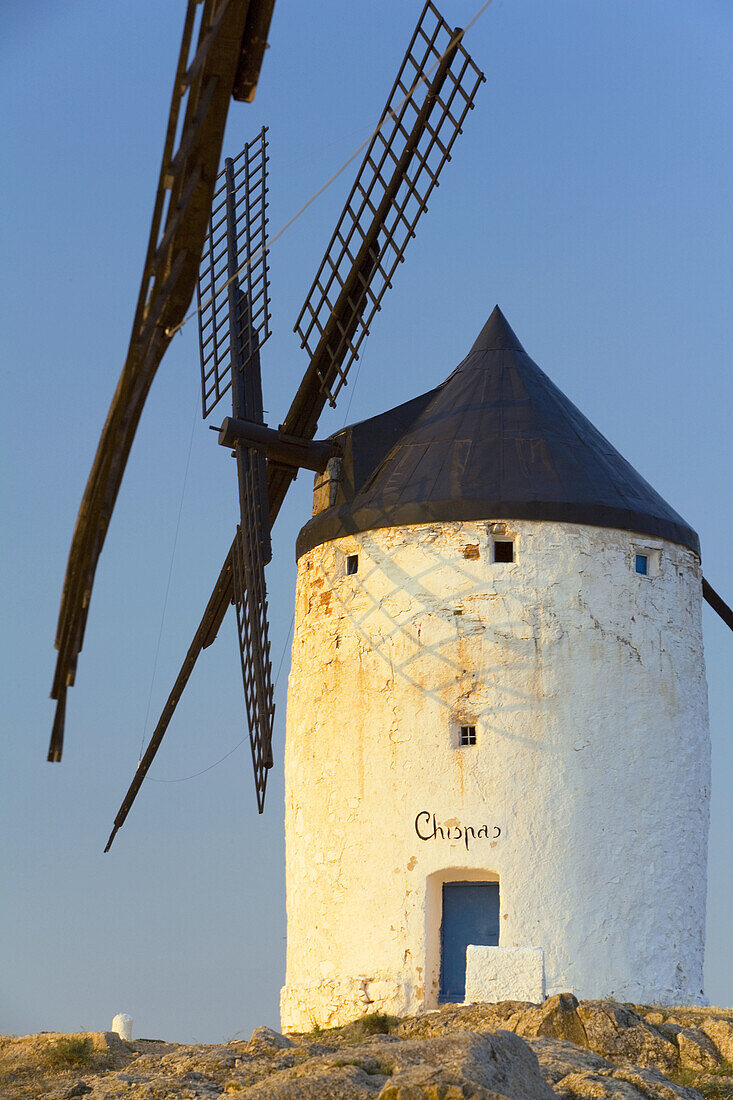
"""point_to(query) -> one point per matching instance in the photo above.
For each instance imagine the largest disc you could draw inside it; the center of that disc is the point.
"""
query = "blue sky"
(590, 195)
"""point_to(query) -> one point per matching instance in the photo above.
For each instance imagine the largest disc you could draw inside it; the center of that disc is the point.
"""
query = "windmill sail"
(431, 97)
(422, 118)
(245, 266)
(234, 249)
(254, 648)
(231, 277)
(251, 552)
(229, 49)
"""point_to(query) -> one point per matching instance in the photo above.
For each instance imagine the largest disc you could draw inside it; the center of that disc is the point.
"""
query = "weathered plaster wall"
(586, 684)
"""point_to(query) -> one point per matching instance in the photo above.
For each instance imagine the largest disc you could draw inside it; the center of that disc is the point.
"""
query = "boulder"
(266, 1041)
(617, 1032)
(575, 1072)
(721, 1033)
(499, 1062)
(557, 1018)
(582, 1086)
(433, 1083)
(653, 1085)
(668, 1030)
(452, 1018)
(622, 1083)
(344, 1082)
(558, 1059)
(697, 1050)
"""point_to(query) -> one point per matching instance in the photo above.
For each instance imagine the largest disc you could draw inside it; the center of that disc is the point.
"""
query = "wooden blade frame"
(248, 579)
(227, 57)
(392, 199)
(242, 579)
(240, 252)
(431, 96)
(252, 545)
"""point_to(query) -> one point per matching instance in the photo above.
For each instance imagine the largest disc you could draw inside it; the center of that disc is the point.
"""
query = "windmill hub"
(309, 454)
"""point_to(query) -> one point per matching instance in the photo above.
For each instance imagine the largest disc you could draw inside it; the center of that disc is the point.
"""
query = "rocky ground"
(507, 1051)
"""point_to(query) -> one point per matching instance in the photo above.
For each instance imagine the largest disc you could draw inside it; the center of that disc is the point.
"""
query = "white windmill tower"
(497, 711)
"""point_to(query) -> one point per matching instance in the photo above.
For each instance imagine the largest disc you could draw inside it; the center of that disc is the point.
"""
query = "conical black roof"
(497, 440)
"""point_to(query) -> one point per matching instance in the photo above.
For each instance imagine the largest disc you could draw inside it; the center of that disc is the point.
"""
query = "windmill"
(431, 96)
(516, 652)
(497, 757)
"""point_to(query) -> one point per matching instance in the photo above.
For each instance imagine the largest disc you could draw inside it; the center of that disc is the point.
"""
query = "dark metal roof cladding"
(497, 440)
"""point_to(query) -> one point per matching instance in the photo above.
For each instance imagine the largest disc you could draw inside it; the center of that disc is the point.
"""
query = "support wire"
(185, 778)
(168, 583)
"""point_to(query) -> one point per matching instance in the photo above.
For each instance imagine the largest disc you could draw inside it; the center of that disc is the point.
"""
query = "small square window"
(503, 551)
(642, 564)
(352, 564)
(467, 735)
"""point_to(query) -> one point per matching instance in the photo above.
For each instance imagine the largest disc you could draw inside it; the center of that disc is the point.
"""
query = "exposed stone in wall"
(586, 795)
(343, 999)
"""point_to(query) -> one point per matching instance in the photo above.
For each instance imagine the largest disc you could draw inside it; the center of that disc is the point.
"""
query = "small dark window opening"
(642, 564)
(467, 735)
(503, 551)
(352, 564)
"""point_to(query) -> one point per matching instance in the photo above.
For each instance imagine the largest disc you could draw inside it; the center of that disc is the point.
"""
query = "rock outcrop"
(507, 1051)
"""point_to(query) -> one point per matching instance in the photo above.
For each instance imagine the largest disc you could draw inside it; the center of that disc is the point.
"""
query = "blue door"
(470, 915)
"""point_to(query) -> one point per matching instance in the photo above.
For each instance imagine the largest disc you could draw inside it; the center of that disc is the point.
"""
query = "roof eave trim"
(336, 523)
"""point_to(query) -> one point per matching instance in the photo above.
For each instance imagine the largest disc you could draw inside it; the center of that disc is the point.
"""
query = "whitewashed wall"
(586, 683)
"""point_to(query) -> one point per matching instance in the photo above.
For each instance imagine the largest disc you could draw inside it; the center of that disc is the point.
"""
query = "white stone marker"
(122, 1025)
(496, 974)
